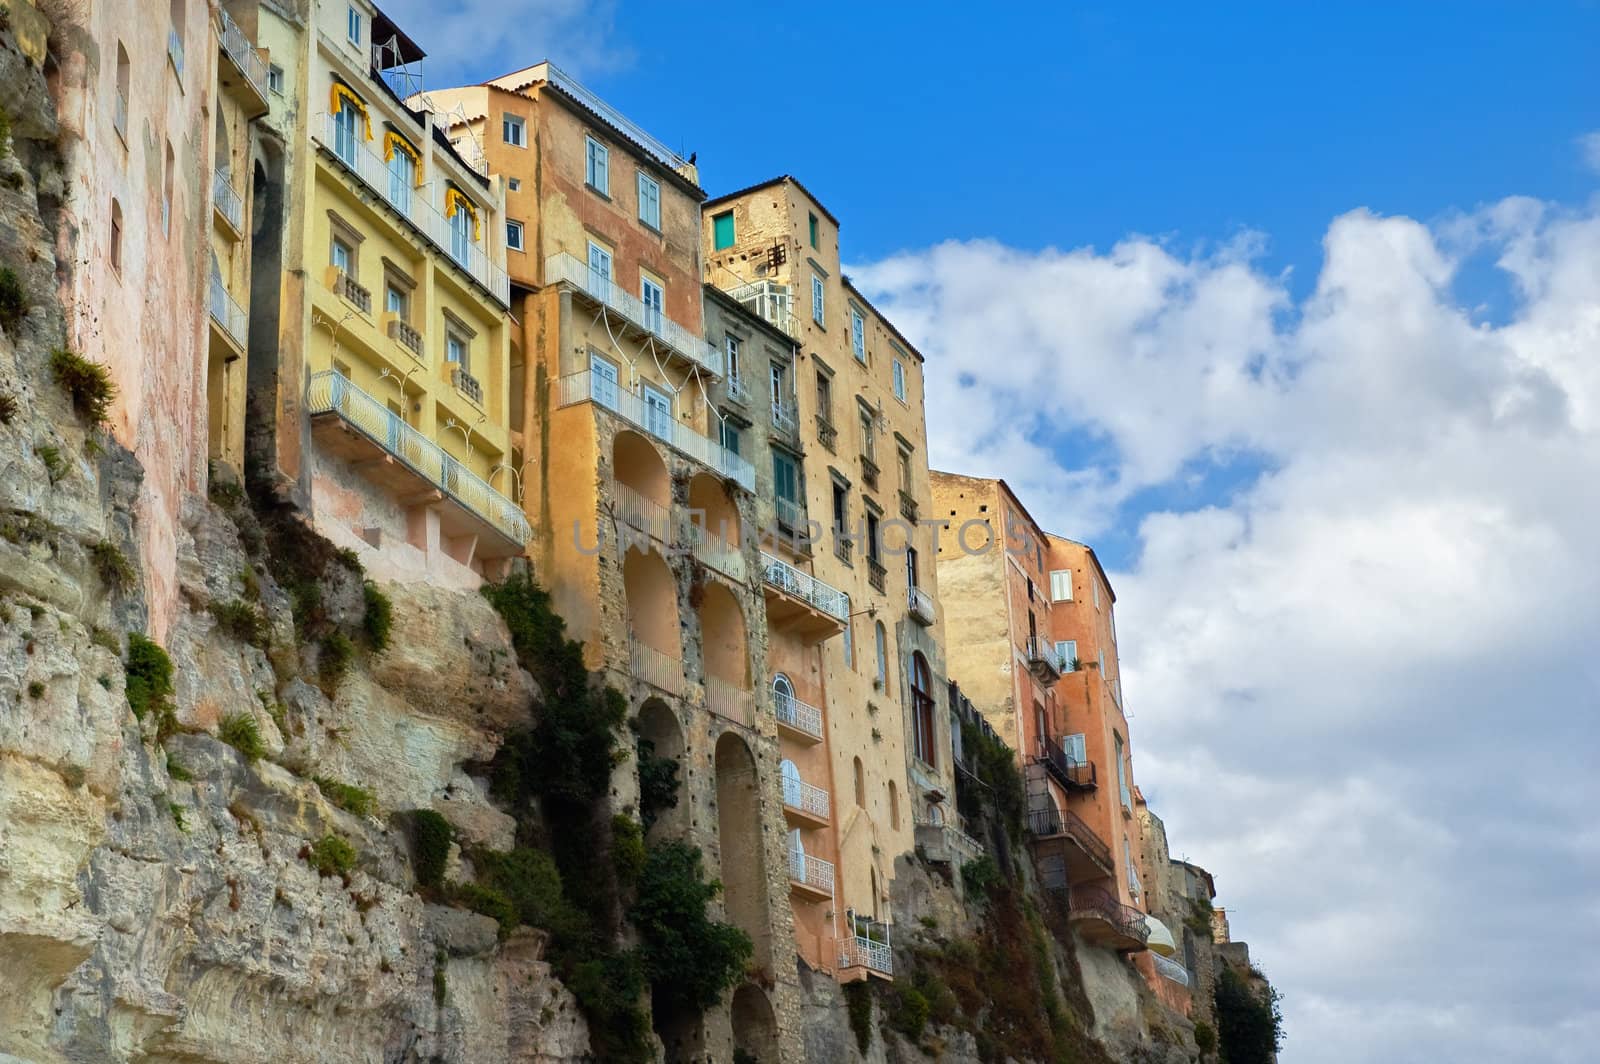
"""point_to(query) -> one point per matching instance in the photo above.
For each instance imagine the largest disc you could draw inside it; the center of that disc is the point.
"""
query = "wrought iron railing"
(861, 951)
(569, 269)
(1093, 902)
(814, 872)
(1068, 771)
(908, 505)
(1050, 823)
(584, 386)
(333, 393)
(242, 51)
(397, 188)
(876, 573)
(227, 312)
(785, 577)
(798, 794)
(801, 716)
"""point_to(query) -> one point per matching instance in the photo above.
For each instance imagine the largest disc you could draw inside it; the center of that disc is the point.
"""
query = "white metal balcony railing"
(791, 514)
(585, 386)
(830, 600)
(175, 50)
(563, 268)
(861, 951)
(1170, 969)
(228, 313)
(1041, 649)
(737, 389)
(728, 700)
(783, 415)
(119, 114)
(801, 716)
(242, 50)
(330, 392)
(644, 514)
(798, 794)
(227, 200)
(812, 871)
(769, 301)
(395, 186)
(921, 605)
(655, 667)
(716, 552)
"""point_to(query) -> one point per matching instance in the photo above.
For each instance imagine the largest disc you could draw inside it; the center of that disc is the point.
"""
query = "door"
(791, 783)
(603, 386)
(783, 698)
(658, 412)
(654, 300)
(797, 856)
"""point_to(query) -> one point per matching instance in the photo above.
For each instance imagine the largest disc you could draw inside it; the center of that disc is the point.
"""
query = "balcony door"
(790, 774)
(603, 386)
(658, 412)
(654, 299)
(783, 695)
(600, 271)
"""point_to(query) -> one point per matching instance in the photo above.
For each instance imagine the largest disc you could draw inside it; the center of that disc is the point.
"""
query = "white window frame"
(1061, 585)
(1094, 585)
(858, 334)
(1067, 653)
(513, 226)
(352, 26)
(597, 166)
(457, 351)
(275, 79)
(510, 122)
(899, 380)
(819, 295)
(655, 313)
(1076, 747)
(731, 346)
(650, 193)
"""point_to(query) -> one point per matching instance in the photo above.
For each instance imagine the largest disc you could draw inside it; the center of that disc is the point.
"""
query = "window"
(649, 201)
(858, 335)
(1076, 748)
(728, 435)
(598, 173)
(816, 298)
(654, 297)
(1111, 619)
(1061, 585)
(657, 411)
(275, 79)
(343, 258)
(1122, 774)
(345, 123)
(905, 471)
(1067, 654)
(922, 721)
(116, 235)
(1094, 585)
(599, 267)
(514, 236)
(352, 26)
(861, 786)
(461, 236)
(396, 301)
(911, 567)
(402, 177)
(730, 344)
(883, 655)
(722, 230)
(869, 438)
(812, 229)
(1102, 654)
(514, 184)
(514, 130)
(124, 75)
(894, 807)
(849, 645)
(603, 381)
(456, 351)
(1133, 869)
(899, 380)
(824, 397)
(872, 536)
(841, 508)
(779, 378)
(166, 193)
(785, 477)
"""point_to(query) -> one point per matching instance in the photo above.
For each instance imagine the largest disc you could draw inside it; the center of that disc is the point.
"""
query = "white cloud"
(1589, 147)
(1364, 685)
(467, 42)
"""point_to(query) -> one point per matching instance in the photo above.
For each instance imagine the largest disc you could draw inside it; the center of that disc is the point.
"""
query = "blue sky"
(1293, 311)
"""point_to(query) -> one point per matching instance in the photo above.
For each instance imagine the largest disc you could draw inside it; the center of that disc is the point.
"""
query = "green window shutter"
(722, 230)
(813, 230)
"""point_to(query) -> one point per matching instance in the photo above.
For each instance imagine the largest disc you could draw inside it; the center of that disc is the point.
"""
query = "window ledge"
(597, 192)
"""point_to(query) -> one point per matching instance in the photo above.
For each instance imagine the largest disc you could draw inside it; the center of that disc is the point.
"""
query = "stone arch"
(661, 736)
(652, 602)
(722, 635)
(719, 514)
(635, 463)
(743, 871)
(755, 1029)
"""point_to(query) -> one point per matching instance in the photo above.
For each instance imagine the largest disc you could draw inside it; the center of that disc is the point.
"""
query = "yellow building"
(859, 407)
(393, 307)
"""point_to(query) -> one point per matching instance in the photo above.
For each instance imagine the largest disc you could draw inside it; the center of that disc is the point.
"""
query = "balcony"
(352, 424)
(228, 316)
(784, 418)
(827, 434)
(584, 387)
(467, 385)
(245, 72)
(868, 948)
(800, 602)
(1170, 969)
(562, 268)
(791, 513)
(641, 513)
(1062, 841)
(770, 302)
(869, 472)
(946, 841)
(716, 552)
(729, 701)
(876, 574)
(1074, 776)
(654, 667)
(395, 190)
(797, 719)
(406, 336)
(345, 287)
(811, 875)
(1104, 921)
(1043, 661)
(908, 506)
(805, 803)
(738, 390)
(228, 204)
(920, 606)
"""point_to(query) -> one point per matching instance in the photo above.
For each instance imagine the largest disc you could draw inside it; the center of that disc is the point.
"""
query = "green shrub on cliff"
(149, 675)
(87, 384)
(432, 835)
(13, 300)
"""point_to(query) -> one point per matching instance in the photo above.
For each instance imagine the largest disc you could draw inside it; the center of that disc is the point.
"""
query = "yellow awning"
(342, 97)
(393, 142)
(454, 201)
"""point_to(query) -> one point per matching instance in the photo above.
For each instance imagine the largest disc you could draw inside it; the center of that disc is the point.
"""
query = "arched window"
(861, 785)
(922, 722)
(894, 807)
(883, 656)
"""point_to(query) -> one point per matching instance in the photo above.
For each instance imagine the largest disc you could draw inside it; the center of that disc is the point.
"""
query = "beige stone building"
(774, 248)
(644, 507)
